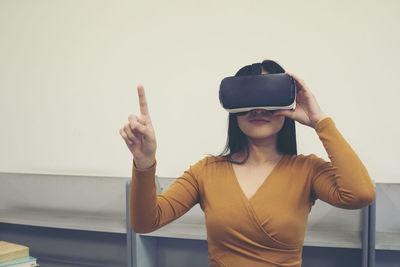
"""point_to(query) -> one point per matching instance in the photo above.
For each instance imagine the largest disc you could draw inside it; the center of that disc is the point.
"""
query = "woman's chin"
(262, 136)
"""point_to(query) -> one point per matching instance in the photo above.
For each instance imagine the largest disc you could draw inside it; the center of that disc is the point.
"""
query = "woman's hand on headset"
(307, 111)
(139, 135)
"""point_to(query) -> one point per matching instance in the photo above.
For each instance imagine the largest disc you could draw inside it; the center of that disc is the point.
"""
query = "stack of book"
(14, 255)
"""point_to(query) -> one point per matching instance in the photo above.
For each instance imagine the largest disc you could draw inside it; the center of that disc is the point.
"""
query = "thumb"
(283, 112)
(291, 114)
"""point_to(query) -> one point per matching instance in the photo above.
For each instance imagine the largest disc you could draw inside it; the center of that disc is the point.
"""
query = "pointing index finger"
(142, 101)
(300, 82)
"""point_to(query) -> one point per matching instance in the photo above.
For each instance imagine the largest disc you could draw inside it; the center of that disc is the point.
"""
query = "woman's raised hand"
(139, 135)
(307, 111)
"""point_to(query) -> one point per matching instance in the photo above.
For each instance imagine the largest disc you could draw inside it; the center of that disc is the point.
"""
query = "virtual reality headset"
(263, 91)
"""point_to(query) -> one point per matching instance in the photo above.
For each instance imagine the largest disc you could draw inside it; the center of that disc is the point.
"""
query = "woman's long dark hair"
(237, 141)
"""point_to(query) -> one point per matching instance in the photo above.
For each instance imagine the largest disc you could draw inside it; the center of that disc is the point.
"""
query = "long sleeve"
(149, 211)
(343, 182)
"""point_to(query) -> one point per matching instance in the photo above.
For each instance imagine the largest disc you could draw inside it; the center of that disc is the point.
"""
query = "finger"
(297, 79)
(133, 117)
(125, 137)
(142, 101)
(141, 120)
(301, 84)
(137, 128)
(140, 126)
(130, 133)
(134, 123)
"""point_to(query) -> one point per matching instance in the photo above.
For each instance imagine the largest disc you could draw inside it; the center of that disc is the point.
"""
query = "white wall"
(69, 71)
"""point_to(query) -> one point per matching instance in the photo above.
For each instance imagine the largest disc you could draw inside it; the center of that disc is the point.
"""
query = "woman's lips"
(258, 122)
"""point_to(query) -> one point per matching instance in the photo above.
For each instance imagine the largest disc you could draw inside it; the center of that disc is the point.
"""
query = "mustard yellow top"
(269, 228)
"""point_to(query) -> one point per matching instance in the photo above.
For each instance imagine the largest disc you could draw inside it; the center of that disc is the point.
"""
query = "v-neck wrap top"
(269, 228)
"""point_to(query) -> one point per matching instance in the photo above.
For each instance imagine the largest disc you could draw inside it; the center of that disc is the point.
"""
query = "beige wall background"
(69, 71)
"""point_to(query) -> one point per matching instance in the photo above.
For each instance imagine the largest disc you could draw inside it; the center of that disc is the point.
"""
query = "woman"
(258, 193)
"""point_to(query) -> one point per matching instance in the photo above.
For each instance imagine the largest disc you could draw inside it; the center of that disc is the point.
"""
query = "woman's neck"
(262, 152)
